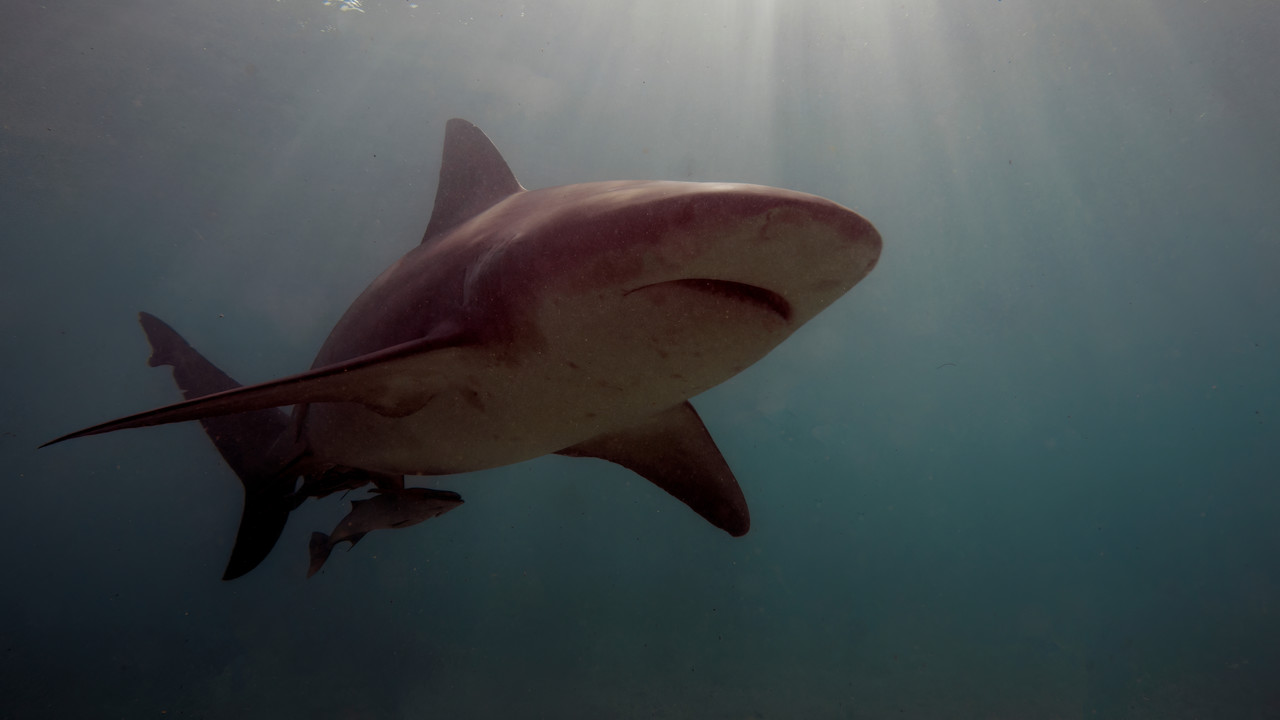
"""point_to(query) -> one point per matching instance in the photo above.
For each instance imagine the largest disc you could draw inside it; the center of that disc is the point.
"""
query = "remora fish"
(575, 320)
(386, 510)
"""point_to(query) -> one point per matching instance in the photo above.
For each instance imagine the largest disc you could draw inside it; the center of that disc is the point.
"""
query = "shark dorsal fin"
(473, 178)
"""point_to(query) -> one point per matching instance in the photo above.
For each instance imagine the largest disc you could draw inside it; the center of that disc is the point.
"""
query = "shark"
(389, 509)
(575, 320)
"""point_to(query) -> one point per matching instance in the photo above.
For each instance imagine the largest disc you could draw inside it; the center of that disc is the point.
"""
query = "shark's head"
(758, 249)
(690, 282)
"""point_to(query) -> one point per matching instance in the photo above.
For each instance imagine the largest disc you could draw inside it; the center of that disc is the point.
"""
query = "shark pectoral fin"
(674, 451)
(396, 381)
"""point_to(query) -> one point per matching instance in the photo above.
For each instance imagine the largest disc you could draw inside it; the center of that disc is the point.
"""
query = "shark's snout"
(794, 252)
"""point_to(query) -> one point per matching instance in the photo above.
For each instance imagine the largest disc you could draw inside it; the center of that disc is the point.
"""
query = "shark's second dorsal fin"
(473, 178)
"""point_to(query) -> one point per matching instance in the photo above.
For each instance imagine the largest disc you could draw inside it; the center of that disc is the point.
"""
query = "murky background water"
(1027, 469)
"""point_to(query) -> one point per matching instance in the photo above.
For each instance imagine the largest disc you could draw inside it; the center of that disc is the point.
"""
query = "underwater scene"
(723, 360)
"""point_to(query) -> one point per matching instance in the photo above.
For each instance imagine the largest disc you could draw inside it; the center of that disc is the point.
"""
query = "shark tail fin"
(246, 440)
(320, 548)
(266, 509)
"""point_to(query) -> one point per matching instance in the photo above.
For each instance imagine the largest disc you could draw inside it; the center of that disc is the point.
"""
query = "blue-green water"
(1027, 469)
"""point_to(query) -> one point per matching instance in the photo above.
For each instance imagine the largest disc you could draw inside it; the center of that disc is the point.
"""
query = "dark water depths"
(1027, 469)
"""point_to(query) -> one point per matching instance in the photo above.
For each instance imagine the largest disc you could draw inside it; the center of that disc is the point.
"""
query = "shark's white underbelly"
(589, 374)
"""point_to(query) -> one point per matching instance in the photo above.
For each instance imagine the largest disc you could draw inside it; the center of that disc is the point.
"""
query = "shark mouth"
(749, 294)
